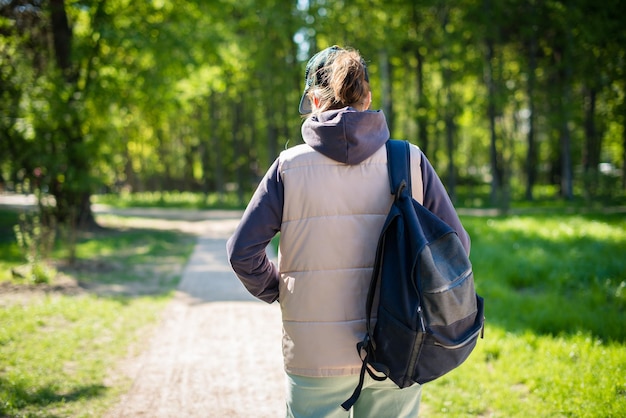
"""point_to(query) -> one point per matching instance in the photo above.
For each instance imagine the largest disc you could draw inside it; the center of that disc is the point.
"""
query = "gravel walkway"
(216, 352)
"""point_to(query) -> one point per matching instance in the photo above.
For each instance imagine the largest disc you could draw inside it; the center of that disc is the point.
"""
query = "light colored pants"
(321, 397)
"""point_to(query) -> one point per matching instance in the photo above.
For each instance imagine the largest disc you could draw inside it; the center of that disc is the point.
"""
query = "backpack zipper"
(456, 282)
(465, 341)
(421, 317)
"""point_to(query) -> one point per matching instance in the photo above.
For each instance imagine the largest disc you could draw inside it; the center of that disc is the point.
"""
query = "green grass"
(533, 375)
(560, 273)
(60, 349)
(554, 346)
(10, 254)
(183, 200)
(555, 340)
(545, 197)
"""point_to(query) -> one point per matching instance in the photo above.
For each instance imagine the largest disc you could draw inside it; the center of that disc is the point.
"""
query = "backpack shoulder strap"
(399, 169)
(399, 166)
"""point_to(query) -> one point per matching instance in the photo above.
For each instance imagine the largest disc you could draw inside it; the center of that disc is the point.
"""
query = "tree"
(193, 95)
(58, 152)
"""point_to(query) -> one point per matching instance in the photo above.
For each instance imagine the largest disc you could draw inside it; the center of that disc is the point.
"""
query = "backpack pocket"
(446, 347)
(446, 282)
(392, 339)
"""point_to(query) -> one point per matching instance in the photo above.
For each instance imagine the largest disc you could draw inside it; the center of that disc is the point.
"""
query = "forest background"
(518, 105)
(511, 100)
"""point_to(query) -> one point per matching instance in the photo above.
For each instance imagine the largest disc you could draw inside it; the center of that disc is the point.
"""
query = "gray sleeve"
(259, 224)
(437, 200)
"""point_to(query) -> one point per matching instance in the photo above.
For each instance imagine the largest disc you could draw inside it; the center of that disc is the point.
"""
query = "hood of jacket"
(346, 135)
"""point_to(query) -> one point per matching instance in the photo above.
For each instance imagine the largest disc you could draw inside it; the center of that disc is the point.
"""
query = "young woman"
(329, 198)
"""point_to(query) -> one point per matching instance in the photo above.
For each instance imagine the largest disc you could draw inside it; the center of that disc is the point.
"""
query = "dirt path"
(216, 352)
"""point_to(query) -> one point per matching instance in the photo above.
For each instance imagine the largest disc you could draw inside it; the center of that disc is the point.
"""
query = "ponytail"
(346, 82)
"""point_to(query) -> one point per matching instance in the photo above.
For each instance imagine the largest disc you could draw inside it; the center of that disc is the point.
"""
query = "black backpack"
(429, 316)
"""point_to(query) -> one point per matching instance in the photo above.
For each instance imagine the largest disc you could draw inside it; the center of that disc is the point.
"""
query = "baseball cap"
(314, 76)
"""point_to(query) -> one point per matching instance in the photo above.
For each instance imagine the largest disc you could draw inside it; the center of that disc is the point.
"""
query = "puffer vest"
(332, 217)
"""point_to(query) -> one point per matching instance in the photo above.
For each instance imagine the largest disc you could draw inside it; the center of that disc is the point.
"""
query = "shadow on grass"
(117, 262)
(126, 263)
(21, 398)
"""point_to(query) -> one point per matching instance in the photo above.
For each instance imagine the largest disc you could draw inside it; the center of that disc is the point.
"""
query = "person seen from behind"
(329, 198)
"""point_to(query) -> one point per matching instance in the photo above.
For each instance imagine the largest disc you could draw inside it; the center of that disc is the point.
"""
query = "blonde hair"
(344, 82)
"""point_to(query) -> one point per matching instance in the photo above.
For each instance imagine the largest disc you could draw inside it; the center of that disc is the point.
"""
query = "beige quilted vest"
(332, 216)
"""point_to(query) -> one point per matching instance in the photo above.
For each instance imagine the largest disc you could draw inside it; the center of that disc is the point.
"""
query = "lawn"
(62, 343)
(555, 341)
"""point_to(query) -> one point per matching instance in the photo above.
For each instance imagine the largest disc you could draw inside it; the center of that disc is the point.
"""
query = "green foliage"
(163, 96)
(35, 239)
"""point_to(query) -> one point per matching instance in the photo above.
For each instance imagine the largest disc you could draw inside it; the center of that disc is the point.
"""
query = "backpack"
(429, 316)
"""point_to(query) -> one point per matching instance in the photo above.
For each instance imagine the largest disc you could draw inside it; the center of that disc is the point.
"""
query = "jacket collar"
(346, 135)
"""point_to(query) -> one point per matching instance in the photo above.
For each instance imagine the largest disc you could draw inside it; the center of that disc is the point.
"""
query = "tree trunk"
(531, 155)
(385, 81)
(567, 188)
(204, 118)
(62, 37)
(624, 152)
(74, 195)
(272, 132)
(216, 146)
(591, 153)
(238, 146)
(190, 152)
(450, 128)
(422, 118)
(491, 114)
